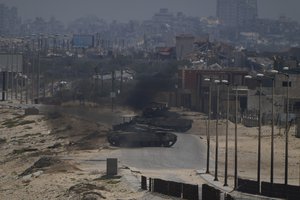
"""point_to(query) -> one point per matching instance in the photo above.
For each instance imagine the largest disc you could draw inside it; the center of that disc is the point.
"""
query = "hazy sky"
(124, 10)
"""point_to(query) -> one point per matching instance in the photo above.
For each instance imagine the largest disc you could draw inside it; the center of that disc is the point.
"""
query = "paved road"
(189, 151)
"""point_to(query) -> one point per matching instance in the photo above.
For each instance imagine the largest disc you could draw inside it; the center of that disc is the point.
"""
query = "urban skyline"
(139, 9)
(237, 12)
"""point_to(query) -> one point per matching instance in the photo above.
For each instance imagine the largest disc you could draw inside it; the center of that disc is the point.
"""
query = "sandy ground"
(46, 157)
(50, 157)
(248, 148)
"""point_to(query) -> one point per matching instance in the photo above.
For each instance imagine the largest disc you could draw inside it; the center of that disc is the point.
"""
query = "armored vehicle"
(141, 139)
(133, 134)
(158, 115)
(172, 124)
(153, 128)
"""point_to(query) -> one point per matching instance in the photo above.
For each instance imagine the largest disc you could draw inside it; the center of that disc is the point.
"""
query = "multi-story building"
(9, 20)
(163, 16)
(237, 13)
(192, 89)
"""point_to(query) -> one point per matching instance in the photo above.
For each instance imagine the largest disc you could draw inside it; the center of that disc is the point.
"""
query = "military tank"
(141, 139)
(154, 128)
(171, 124)
(158, 115)
(132, 134)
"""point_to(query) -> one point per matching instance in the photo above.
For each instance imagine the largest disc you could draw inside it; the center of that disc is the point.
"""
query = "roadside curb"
(209, 179)
(132, 176)
(217, 184)
(131, 179)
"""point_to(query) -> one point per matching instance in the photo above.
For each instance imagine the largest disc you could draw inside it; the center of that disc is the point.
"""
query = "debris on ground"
(42, 163)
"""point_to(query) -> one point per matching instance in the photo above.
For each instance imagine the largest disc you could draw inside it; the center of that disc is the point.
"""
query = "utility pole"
(259, 77)
(4, 86)
(272, 133)
(113, 94)
(217, 131)
(102, 81)
(38, 78)
(121, 83)
(6, 77)
(226, 137)
(26, 82)
(259, 137)
(286, 133)
(32, 77)
(17, 78)
(235, 140)
(208, 126)
(11, 75)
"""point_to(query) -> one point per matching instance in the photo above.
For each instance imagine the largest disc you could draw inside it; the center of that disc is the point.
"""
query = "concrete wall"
(280, 94)
(293, 90)
(266, 101)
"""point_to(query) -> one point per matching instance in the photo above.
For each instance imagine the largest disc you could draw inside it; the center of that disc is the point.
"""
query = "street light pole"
(286, 132)
(235, 139)
(226, 136)
(38, 77)
(259, 79)
(217, 131)
(235, 136)
(11, 75)
(286, 125)
(17, 78)
(38, 71)
(208, 127)
(272, 134)
(273, 125)
(176, 95)
(259, 137)
(32, 69)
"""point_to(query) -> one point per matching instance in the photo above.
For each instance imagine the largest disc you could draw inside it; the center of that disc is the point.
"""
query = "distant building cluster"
(237, 13)
(225, 47)
(9, 20)
(236, 23)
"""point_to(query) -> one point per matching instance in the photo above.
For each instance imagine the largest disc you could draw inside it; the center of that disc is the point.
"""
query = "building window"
(284, 84)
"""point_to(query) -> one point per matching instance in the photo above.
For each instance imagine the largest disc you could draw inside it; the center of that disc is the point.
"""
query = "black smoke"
(146, 89)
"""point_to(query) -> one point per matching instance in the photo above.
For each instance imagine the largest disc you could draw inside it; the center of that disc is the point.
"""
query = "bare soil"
(247, 152)
(41, 156)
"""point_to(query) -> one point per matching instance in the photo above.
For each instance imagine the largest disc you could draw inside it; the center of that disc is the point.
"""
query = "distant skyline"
(125, 10)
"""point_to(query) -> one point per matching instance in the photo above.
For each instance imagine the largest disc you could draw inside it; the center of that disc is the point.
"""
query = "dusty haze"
(124, 10)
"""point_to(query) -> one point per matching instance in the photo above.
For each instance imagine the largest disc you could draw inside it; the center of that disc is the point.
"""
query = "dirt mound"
(49, 164)
(86, 191)
(93, 140)
(92, 196)
(81, 134)
(84, 187)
